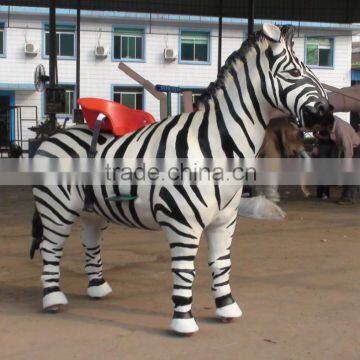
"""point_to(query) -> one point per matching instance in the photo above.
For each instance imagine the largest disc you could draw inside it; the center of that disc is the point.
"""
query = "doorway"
(6, 118)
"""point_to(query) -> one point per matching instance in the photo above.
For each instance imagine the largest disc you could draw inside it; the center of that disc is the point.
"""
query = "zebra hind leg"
(183, 252)
(91, 237)
(219, 236)
(54, 238)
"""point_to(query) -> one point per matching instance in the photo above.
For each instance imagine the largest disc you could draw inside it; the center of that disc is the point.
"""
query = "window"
(65, 40)
(195, 46)
(128, 44)
(69, 98)
(196, 93)
(2, 39)
(131, 97)
(319, 51)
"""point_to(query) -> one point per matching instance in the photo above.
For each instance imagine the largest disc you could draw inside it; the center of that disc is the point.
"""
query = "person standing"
(348, 144)
(325, 148)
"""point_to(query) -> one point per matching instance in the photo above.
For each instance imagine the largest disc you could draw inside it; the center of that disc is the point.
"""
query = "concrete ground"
(297, 282)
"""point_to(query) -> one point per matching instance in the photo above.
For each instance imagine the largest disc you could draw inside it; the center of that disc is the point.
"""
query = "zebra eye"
(295, 72)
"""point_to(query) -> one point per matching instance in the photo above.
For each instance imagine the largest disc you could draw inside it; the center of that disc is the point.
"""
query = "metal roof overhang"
(336, 11)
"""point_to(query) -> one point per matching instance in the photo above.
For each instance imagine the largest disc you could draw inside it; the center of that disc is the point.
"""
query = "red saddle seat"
(120, 119)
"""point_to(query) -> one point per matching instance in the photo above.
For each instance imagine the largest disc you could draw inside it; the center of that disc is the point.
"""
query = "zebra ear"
(272, 32)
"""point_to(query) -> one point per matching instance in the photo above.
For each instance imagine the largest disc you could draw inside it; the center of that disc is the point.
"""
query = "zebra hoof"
(53, 301)
(229, 312)
(97, 291)
(185, 327)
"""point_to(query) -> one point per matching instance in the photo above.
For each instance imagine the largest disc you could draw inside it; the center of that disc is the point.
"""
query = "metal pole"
(52, 55)
(251, 13)
(52, 43)
(78, 18)
(220, 35)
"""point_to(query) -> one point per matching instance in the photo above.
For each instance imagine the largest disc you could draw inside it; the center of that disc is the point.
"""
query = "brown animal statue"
(283, 139)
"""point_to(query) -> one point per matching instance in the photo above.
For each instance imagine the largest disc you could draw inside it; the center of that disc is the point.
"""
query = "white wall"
(97, 76)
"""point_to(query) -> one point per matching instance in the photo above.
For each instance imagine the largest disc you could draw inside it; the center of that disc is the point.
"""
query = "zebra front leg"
(219, 236)
(183, 252)
(56, 209)
(91, 237)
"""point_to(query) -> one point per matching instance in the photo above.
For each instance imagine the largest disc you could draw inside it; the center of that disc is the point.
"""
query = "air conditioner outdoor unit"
(169, 54)
(31, 49)
(101, 52)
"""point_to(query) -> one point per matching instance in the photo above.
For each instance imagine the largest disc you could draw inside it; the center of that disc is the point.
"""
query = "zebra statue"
(230, 122)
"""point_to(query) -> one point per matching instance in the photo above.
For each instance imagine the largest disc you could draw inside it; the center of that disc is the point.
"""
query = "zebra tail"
(37, 233)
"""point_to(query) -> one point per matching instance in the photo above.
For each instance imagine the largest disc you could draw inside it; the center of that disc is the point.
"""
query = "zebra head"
(294, 87)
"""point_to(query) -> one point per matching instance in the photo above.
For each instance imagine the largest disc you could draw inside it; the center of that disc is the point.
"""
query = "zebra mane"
(255, 38)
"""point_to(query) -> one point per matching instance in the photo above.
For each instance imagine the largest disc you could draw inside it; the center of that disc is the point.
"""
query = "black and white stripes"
(230, 123)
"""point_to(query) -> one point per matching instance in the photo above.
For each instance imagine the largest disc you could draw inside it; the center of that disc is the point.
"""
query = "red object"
(120, 119)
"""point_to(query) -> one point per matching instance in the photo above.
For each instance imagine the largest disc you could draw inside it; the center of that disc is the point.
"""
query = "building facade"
(165, 49)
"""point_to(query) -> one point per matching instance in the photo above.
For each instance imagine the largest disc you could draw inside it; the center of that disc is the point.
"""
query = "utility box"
(55, 100)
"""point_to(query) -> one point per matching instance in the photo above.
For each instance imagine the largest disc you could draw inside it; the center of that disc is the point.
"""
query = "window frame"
(143, 47)
(3, 31)
(73, 32)
(332, 39)
(195, 62)
(192, 88)
(73, 96)
(127, 86)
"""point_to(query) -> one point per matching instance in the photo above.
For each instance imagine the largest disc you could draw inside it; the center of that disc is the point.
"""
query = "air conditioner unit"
(169, 54)
(31, 49)
(101, 51)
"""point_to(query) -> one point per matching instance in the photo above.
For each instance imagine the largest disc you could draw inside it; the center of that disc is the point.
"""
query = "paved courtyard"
(297, 282)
